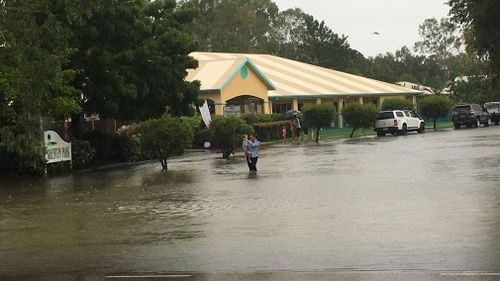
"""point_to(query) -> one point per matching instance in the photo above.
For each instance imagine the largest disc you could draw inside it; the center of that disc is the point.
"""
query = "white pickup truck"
(398, 122)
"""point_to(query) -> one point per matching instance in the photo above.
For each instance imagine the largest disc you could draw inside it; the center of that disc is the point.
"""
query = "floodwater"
(427, 202)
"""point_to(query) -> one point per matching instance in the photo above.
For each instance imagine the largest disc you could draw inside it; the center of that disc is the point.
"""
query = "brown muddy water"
(426, 202)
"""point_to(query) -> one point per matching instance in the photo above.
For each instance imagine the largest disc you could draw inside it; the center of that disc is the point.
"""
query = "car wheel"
(404, 130)
(456, 125)
(489, 122)
(380, 134)
(421, 130)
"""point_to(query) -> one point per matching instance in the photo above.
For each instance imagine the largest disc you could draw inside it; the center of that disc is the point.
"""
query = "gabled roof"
(215, 75)
(292, 79)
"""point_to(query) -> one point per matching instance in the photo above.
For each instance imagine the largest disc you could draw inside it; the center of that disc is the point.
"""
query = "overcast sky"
(397, 21)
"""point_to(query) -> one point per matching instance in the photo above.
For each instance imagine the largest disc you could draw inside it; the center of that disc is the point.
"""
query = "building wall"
(251, 85)
(340, 101)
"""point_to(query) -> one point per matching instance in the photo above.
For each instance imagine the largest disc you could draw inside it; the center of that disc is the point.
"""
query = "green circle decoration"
(244, 73)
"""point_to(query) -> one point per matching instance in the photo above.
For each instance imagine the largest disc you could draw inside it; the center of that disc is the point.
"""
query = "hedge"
(270, 130)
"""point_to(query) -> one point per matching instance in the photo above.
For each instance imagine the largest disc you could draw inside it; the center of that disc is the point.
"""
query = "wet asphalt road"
(420, 207)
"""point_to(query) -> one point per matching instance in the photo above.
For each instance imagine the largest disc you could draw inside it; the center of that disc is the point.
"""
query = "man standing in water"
(254, 146)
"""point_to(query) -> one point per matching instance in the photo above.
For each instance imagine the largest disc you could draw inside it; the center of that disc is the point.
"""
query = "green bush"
(360, 115)
(318, 116)
(396, 103)
(113, 146)
(270, 130)
(226, 133)
(200, 137)
(253, 118)
(434, 107)
(82, 153)
(165, 137)
(8, 162)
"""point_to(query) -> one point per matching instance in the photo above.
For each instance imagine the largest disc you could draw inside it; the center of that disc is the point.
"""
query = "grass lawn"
(336, 133)
(439, 125)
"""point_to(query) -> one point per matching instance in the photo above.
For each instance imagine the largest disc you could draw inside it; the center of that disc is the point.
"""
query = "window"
(463, 108)
(281, 107)
(492, 106)
(400, 114)
(386, 115)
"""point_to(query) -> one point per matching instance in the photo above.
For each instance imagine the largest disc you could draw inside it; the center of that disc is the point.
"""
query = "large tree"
(441, 39)
(34, 82)
(233, 25)
(482, 28)
(252, 26)
(132, 59)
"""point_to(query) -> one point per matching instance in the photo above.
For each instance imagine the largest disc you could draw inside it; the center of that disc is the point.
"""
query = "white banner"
(205, 114)
(57, 150)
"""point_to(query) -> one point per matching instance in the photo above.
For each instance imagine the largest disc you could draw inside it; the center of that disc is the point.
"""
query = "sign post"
(56, 149)
(232, 110)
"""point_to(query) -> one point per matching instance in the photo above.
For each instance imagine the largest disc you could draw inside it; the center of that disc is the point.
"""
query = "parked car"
(398, 122)
(470, 115)
(493, 109)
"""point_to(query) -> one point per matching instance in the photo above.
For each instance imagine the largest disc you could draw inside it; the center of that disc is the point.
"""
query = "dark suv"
(470, 115)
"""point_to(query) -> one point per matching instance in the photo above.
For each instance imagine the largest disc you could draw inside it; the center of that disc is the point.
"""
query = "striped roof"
(292, 79)
(216, 74)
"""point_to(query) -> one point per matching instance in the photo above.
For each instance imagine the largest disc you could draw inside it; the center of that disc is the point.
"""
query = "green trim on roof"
(367, 95)
(210, 91)
(261, 75)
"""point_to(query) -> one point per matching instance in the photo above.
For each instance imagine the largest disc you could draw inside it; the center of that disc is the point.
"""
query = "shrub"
(82, 153)
(318, 116)
(395, 103)
(270, 130)
(200, 137)
(8, 161)
(253, 118)
(226, 133)
(360, 115)
(165, 137)
(112, 146)
(434, 107)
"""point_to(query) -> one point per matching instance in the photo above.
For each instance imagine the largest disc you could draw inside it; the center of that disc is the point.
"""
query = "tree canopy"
(132, 59)
(481, 23)
(124, 59)
(34, 82)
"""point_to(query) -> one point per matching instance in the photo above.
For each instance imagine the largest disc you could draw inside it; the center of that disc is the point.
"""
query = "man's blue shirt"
(254, 148)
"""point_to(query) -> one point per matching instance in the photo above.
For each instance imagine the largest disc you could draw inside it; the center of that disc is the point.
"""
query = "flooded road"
(426, 203)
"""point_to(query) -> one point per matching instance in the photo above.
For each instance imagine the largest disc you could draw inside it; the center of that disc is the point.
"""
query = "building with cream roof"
(267, 84)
